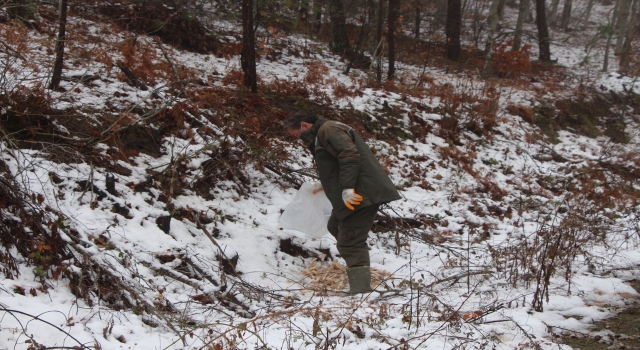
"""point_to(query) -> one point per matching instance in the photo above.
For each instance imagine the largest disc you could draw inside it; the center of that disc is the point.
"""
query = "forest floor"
(149, 217)
(621, 331)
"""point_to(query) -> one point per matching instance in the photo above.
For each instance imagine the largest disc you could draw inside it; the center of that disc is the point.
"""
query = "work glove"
(317, 187)
(351, 198)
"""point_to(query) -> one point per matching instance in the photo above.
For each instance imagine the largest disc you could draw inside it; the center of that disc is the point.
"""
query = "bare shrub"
(316, 73)
(508, 63)
(234, 77)
(289, 88)
(459, 158)
(142, 58)
(525, 113)
(491, 188)
(229, 50)
(582, 218)
(339, 89)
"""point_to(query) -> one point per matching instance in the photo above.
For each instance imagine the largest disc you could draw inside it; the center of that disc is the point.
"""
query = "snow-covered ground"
(454, 291)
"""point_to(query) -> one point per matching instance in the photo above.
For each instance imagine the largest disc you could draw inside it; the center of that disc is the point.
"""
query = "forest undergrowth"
(566, 208)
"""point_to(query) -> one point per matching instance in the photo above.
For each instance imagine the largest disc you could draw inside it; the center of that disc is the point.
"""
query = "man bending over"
(355, 183)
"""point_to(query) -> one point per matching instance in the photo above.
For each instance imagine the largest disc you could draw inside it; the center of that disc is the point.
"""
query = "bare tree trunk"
(57, 65)
(248, 54)
(634, 27)
(625, 54)
(391, 37)
(465, 5)
(501, 14)
(371, 5)
(339, 37)
(517, 36)
(323, 22)
(493, 14)
(566, 15)
(416, 31)
(553, 13)
(588, 12)
(494, 18)
(583, 19)
(621, 28)
(544, 42)
(529, 18)
(610, 29)
(378, 52)
(317, 9)
(476, 27)
(454, 19)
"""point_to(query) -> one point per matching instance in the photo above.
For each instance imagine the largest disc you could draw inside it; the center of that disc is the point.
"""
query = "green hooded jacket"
(344, 161)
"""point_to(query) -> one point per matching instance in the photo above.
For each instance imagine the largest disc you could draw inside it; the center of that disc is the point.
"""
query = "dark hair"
(294, 119)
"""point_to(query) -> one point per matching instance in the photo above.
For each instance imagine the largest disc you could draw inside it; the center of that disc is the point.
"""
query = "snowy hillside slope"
(185, 251)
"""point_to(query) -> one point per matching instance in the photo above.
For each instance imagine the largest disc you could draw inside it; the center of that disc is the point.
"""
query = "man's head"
(298, 122)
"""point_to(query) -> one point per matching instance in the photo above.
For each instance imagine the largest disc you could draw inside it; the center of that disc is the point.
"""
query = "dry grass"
(334, 277)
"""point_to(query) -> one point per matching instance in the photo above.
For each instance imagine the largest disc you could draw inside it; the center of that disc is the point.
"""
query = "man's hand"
(317, 187)
(351, 198)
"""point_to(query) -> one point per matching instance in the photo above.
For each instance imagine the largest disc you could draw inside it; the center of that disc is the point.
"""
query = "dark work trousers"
(352, 233)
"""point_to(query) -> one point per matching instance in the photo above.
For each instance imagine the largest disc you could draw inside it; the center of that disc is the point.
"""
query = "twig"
(14, 52)
(196, 219)
(132, 77)
(148, 306)
(564, 329)
(172, 274)
(414, 233)
(81, 78)
(173, 67)
(526, 334)
(10, 311)
(108, 132)
(455, 278)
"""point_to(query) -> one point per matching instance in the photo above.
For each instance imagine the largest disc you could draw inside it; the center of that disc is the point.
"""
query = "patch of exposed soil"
(625, 327)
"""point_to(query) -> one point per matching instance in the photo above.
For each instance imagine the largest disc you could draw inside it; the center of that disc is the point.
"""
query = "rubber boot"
(359, 279)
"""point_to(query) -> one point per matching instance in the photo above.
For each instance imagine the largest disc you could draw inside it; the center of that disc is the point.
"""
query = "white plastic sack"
(307, 212)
